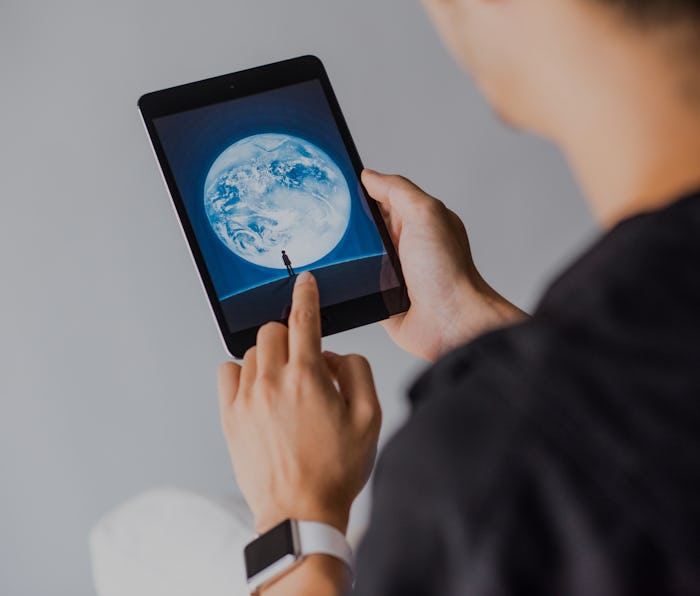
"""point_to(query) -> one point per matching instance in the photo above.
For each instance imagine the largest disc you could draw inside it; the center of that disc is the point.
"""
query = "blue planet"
(273, 192)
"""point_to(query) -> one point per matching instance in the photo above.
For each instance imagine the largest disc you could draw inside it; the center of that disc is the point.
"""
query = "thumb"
(391, 190)
(356, 385)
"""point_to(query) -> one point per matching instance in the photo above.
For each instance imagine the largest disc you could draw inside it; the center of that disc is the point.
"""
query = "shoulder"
(527, 445)
(543, 438)
(614, 340)
(640, 268)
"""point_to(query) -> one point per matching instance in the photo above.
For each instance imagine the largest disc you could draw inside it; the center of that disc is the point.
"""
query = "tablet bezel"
(335, 318)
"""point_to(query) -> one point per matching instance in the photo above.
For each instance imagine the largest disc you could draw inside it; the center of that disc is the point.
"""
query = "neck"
(634, 143)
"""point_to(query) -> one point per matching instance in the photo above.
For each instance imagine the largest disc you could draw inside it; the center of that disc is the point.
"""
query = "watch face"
(269, 548)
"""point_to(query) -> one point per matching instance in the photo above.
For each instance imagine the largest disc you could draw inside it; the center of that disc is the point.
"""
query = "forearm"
(317, 575)
(500, 312)
(480, 309)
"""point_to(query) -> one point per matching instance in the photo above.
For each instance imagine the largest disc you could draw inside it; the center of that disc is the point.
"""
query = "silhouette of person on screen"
(288, 264)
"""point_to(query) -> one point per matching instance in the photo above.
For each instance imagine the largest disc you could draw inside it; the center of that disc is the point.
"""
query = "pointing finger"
(305, 320)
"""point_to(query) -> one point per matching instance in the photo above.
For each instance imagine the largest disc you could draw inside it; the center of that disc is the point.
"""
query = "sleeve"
(437, 494)
(402, 553)
(473, 497)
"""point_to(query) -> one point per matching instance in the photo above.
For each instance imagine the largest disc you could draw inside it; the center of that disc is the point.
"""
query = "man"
(288, 264)
(553, 455)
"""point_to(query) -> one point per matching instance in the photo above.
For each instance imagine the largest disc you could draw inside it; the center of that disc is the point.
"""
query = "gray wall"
(108, 348)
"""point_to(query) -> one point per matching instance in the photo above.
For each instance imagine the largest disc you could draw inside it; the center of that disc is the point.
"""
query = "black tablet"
(265, 180)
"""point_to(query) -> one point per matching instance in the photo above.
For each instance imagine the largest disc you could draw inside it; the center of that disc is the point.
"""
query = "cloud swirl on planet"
(272, 192)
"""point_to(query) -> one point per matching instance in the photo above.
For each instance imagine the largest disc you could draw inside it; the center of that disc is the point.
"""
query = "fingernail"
(330, 354)
(304, 278)
(370, 172)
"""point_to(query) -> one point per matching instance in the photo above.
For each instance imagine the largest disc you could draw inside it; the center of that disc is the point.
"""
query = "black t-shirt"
(561, 455)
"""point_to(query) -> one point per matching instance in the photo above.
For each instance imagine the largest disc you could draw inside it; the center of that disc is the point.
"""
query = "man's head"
(534, 58)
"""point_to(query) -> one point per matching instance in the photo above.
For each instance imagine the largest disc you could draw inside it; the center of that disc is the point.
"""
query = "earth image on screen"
(273, 192)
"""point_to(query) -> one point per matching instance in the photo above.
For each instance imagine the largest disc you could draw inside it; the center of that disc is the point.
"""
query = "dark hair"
(652, 12)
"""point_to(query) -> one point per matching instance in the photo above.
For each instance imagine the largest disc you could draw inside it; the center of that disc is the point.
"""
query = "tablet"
(265, 180)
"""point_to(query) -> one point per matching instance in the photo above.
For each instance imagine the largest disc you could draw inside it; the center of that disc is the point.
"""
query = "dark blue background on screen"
(193, 140)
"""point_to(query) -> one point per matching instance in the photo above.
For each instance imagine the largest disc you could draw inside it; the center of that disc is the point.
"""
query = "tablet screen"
(270, 191)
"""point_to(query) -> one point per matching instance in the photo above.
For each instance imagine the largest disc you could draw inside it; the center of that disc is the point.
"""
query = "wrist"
(336, 518)
(479, 309)
(285, 556)
(316, 574)
(497, 311)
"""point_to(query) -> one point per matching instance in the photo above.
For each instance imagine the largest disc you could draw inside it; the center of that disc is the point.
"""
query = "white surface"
(169, 542)
(107, 347)
(172, 542)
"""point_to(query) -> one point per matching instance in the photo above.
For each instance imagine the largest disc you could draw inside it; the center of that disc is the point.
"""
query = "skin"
(620, 100)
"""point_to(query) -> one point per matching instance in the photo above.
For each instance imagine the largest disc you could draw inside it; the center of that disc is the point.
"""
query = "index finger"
(305, 320)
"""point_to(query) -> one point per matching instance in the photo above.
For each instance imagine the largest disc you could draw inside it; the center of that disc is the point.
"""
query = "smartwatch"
(276, 551)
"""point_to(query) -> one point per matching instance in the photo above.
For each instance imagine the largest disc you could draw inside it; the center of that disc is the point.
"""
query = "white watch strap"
(318, 538)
